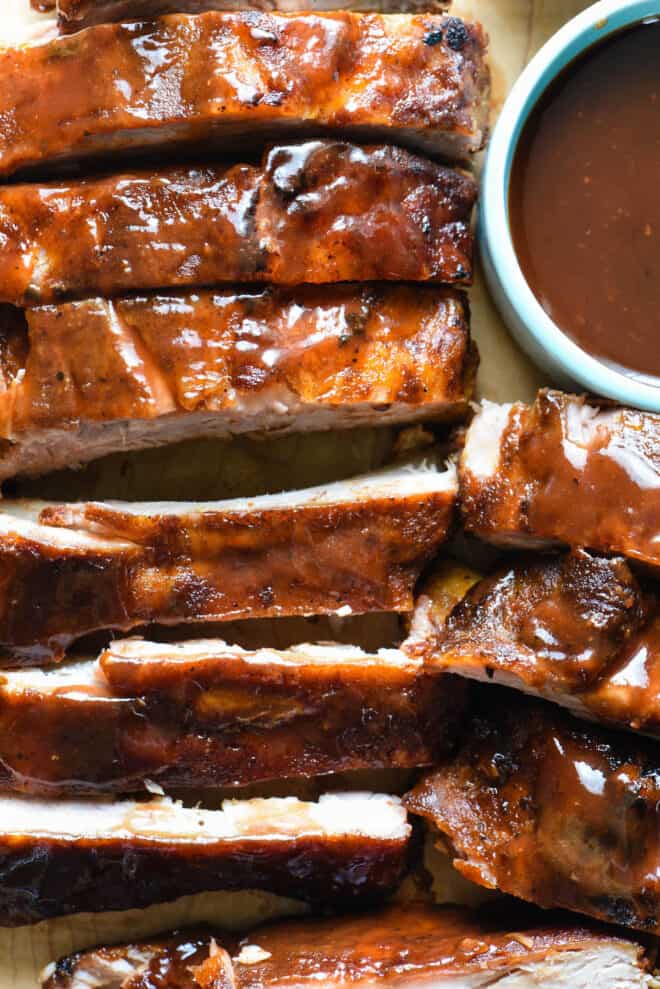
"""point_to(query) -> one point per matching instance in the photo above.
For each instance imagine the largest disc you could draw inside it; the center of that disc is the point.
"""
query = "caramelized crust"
(565, 472)
(549, 809)
(316, 212)
(206, 714)
(97, 376)
(576, 629)
(59, 858)
(403, 946)
(66, 570)
(77, 14)
(222, 80)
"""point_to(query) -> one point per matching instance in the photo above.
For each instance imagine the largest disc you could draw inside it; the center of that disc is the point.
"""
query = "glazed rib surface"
(207, 714)
(89, 378)
(565, 471)
(552, 810)
(404, 946)
(59, 858)
(576, 629)
(77, 14)
(316, 212)
(219, 80)
(70, 569)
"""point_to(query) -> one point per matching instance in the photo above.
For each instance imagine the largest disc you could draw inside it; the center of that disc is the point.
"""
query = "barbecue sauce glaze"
(584, 209)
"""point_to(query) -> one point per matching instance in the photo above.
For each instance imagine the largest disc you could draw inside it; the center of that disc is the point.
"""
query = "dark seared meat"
(59, 858)
(576, 629)
(206, 714)
(316, 212)
(552, 810)
(565, 471)
(77, 14)
(222, 80)
(403, 946)
(354, 546)
(89, 378)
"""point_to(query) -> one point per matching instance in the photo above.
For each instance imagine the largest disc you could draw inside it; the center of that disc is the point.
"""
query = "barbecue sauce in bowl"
(584, 201)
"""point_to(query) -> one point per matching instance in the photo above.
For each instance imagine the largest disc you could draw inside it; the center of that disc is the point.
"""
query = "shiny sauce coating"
(583, 201)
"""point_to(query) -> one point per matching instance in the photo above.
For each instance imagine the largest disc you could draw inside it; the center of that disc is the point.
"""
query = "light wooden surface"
(517, 28)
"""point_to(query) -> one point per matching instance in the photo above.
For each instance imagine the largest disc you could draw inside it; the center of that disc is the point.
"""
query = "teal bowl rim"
(534, 330)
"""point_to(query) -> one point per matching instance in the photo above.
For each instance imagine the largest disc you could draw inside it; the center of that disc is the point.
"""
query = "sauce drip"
(584, 204)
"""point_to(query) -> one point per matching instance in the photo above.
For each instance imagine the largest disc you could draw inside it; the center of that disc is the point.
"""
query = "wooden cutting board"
(517, 29)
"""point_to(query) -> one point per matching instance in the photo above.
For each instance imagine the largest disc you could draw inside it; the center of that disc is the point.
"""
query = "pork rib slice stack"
(224, 78)
(537, 803)
(92, 377)
(401, 946)
(527, 798)
(205, 714)
(167, 293)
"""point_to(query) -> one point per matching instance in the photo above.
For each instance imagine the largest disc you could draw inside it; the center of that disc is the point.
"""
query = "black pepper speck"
(456, 34)
(434, 37)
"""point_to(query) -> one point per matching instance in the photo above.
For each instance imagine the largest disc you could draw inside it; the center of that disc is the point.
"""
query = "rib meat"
(316, 212)
(218, 80)
(77, 14)
(67, 857)
(576, 629)
(552, 810)
(565, 471)
(404, 946)
(353, 546)
(93, 377)
(207, 714)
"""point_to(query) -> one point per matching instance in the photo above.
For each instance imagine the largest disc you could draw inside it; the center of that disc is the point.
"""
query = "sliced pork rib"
(565, 471)
(77, 14)
(58, 858)
(93, 377)
(219, 80)
(316, 212)
(207, 714)
(551, 809)
(576, 629)
(353, 546)
(404, 946)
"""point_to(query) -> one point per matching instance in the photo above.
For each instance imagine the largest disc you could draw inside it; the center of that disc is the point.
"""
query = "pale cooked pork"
(565, 470)
(221, 80)
(59, 858)
(406, 947)
(353, 546)
(322, 211)
(89, 378)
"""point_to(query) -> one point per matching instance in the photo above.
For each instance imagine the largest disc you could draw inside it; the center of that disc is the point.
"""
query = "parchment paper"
(517, 28)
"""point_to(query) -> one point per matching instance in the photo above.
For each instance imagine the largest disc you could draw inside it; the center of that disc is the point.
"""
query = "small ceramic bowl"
(567, 363)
